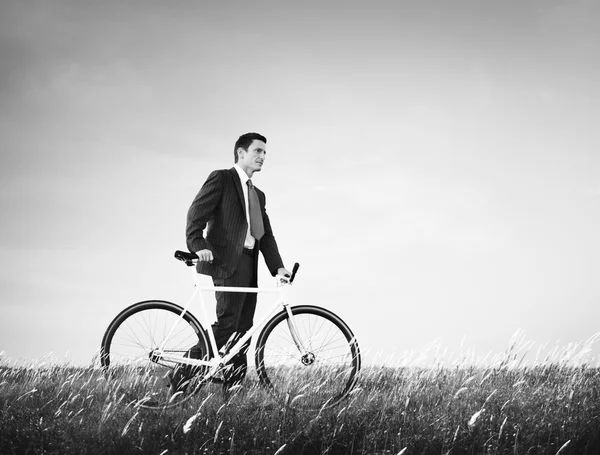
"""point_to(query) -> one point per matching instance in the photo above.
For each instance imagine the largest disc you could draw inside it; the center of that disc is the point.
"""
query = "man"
(232, 210)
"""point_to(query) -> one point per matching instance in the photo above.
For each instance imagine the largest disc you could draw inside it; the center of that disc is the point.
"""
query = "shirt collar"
(243, 176)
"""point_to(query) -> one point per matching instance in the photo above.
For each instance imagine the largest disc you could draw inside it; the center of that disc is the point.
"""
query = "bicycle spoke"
(130, 348)
(319, 376)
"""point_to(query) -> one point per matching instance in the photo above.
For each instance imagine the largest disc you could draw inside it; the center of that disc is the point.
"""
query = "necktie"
(257, 229)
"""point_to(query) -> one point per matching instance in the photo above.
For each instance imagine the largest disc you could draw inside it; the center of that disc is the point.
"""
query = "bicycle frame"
(219, 361)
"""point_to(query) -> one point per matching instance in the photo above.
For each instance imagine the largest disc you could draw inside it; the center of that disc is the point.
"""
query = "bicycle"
(305, 355)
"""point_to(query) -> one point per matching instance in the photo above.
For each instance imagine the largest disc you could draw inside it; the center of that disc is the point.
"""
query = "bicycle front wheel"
(133, 347)
(315, 369)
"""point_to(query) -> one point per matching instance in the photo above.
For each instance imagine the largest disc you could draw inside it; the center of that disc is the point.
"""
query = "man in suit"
(232, 211)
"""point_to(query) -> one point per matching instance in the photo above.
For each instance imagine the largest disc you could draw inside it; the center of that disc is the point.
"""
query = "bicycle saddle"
(185, 257)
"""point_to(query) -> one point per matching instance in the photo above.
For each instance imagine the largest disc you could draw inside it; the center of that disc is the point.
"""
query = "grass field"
(545, 408)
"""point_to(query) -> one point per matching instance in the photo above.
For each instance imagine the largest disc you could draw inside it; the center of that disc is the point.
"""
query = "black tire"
(319, 378)
(129, 341)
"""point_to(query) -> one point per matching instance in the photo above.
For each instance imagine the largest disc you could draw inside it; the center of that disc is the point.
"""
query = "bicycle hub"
(308, 358)
(155, 355)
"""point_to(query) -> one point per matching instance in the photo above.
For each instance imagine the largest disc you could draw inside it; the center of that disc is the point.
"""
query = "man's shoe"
(182, 375)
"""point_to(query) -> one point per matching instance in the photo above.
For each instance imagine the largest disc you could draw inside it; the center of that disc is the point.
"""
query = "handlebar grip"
(294, 270)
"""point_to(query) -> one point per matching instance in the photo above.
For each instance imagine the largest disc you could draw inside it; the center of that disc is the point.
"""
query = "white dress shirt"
(249, 242)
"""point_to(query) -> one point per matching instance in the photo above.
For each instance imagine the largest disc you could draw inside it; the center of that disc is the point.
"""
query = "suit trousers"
(235, 313)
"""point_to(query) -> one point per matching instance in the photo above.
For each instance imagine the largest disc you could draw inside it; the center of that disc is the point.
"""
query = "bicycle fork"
(307, 357)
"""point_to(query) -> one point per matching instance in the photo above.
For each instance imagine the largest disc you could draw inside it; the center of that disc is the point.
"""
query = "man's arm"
(268, 246)
(201, 210)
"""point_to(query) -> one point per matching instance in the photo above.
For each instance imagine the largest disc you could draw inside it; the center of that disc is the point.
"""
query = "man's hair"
(244, 142)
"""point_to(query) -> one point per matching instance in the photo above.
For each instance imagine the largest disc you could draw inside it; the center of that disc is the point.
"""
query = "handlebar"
(190, 259)
(294, 270)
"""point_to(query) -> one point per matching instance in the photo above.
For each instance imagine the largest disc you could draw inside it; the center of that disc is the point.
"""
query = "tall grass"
(547, 406)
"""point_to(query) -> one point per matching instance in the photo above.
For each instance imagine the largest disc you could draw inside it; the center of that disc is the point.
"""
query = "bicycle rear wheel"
(321, 375)
(129, 353)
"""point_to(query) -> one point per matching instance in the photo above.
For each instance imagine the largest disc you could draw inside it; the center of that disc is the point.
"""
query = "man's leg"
(239, 362)
(235, 313)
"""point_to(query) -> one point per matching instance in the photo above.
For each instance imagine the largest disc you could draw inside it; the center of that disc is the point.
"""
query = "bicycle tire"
(319, 378)
(127, 348)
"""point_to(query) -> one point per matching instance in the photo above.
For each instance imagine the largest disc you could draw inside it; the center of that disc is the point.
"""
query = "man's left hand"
(284, 273)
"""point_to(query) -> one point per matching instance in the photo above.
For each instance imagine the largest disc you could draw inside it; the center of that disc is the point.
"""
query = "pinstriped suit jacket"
(220, 207)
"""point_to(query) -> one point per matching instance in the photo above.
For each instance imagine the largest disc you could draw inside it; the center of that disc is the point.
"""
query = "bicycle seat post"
(200, 289)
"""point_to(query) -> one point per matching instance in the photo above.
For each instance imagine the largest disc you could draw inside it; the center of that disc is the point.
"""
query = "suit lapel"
(238, 187)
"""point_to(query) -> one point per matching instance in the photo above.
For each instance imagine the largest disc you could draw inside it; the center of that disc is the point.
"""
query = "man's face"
(253, 158)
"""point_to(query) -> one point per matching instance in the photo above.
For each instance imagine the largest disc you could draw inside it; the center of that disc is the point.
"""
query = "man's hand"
(205, 256)
(284, 273)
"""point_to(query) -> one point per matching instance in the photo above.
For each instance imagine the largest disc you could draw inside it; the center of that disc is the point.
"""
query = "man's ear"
(239, 149)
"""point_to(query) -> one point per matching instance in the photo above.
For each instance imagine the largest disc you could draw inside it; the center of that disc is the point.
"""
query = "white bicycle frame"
(219, 361)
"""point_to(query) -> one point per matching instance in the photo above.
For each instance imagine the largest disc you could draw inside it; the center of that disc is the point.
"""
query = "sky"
(434, 166)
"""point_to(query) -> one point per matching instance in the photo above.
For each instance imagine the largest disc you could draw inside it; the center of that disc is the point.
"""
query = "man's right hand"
(205, 256)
